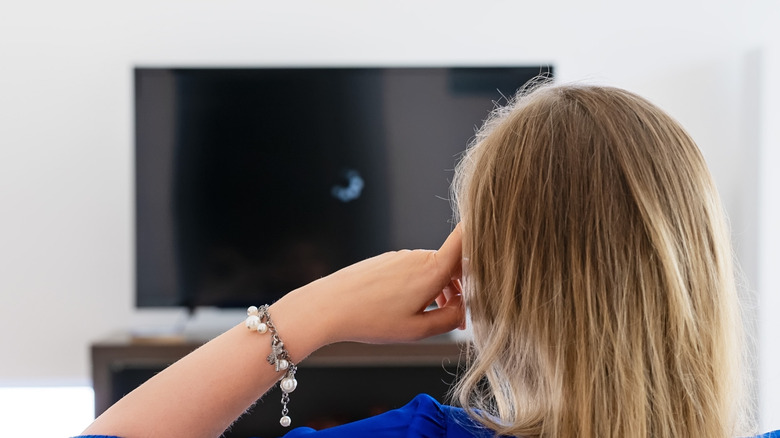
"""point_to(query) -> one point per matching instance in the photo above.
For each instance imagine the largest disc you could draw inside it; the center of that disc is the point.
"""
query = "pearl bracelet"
(259, 320)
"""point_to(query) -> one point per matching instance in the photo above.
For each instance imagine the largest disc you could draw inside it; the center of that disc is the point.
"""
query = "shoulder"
(423, 417)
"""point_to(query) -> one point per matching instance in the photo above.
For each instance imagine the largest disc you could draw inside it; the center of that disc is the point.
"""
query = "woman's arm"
(379, 300)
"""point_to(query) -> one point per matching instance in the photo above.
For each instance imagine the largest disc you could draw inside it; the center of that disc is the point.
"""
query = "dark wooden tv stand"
(339, 383)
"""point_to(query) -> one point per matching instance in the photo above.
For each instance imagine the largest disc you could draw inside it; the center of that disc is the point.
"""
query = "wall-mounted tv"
(250, 182)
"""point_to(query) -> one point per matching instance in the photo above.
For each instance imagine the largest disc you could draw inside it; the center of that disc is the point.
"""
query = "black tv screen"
(251, 182)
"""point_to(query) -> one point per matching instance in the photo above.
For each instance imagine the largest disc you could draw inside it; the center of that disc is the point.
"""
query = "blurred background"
(66, 138)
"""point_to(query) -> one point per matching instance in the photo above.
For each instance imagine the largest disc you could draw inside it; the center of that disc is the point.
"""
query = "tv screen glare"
(251, 182)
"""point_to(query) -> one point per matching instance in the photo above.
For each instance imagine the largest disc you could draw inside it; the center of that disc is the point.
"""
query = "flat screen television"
(250, 182)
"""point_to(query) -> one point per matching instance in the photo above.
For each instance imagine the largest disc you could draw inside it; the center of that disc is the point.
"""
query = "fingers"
(453, 288)
(451, 297)
(454, 297)
(444, 319)
(450, 254)
(449, 257)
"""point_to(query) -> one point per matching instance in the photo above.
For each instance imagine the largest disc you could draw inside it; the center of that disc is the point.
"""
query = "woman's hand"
(379, 300)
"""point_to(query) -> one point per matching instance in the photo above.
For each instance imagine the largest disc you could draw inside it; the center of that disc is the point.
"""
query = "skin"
(379, 300)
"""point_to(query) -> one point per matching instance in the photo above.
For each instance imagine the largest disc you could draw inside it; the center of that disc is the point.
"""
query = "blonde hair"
(598, 273)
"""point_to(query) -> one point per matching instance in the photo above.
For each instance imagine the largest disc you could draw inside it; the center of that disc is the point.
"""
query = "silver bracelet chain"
(259, 320)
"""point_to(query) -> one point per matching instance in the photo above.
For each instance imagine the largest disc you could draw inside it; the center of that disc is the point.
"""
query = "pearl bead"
(285, 421)
(283, 364)
(288, 384)
(262, 327)
(252, 310)
(252, 322)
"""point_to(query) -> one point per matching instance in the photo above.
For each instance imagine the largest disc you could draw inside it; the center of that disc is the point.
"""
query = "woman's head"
(598, 271)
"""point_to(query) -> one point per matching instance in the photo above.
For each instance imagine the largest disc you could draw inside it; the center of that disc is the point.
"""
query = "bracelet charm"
(259, 320)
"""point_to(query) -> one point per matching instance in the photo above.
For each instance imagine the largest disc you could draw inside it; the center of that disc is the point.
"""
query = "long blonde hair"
(598, 273)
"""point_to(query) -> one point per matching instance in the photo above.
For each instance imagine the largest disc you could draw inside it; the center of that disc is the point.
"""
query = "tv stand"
(339, 383)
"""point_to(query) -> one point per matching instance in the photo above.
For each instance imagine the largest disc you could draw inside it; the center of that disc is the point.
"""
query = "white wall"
(769, 242)
(66, 230)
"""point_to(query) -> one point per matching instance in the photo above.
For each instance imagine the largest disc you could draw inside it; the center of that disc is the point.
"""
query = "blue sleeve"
(421, 418)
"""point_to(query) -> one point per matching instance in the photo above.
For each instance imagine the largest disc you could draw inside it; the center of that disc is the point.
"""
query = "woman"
(595, 263)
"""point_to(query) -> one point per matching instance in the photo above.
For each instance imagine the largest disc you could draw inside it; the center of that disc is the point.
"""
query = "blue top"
(423, 417)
